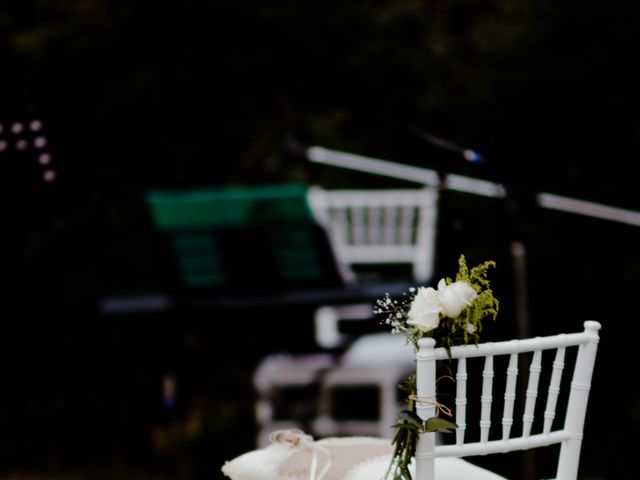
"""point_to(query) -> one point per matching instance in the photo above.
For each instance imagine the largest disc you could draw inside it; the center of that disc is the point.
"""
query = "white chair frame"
(391, 226)
(370, 227)
(568, 435)
(364, 227)
(374, 226)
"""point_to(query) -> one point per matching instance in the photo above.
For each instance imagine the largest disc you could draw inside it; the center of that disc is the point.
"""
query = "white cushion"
(294, 455)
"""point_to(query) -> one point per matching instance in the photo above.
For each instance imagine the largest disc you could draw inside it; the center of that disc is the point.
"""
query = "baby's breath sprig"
(395, 311)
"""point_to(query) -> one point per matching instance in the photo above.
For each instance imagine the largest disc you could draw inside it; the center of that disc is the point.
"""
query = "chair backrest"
(391, 226)
(566, 391)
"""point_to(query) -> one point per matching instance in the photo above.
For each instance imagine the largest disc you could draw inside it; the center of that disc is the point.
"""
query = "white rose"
(425, 310)
(455, 297)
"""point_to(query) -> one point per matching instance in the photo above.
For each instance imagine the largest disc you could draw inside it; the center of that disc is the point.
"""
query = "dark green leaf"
(411, 417)
(408, 426)
(406, 475)
(437, 424)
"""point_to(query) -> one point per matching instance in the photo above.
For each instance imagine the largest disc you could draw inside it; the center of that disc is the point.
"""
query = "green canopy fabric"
(256, 238)
(226, 206)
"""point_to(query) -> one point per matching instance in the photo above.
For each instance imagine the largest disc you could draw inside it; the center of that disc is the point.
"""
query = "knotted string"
(298, 438)
(440, 407)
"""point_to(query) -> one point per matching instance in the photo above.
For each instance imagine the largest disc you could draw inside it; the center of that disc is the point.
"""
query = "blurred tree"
(158, 95)
(141, 94)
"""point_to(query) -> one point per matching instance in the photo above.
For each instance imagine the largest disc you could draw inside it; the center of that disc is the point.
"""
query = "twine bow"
(440, 407)
(297, 438)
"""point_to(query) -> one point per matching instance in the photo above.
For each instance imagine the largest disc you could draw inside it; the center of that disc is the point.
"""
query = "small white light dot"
(1, 128)
(40, 142)
(22, 144)
(17, 127)
(49, 176)
(3, 145)
(35, 125)
(44, 159)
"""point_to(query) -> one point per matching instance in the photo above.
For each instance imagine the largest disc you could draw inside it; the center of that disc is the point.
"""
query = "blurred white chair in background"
(375, 362)
(371, 228)
(375, 229)
(286, 387)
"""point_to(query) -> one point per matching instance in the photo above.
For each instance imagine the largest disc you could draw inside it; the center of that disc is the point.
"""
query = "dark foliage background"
(139, 95)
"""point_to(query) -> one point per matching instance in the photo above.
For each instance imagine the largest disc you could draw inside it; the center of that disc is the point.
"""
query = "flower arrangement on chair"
(452, 314)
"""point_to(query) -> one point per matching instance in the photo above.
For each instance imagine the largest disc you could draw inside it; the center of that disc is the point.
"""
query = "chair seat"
(447, 468)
